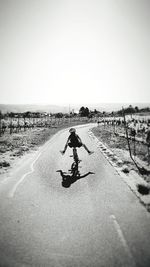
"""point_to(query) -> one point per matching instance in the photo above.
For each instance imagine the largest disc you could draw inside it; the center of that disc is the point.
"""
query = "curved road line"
(123, 241)
(13, 190)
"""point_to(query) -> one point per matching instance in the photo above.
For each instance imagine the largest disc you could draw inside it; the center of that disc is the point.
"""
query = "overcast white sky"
(74, 51)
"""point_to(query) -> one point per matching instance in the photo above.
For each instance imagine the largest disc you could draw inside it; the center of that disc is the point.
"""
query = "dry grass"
(16, 145)
(120, 147)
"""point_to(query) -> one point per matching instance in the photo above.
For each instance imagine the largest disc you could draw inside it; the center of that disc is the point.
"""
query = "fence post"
(114, 124)
(148, 152)
(24, 123)
(0, 123)
(10, 125)
(148, 144)
(126, 131)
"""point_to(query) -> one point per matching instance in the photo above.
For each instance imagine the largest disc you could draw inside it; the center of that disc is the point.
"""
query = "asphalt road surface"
(96, 222)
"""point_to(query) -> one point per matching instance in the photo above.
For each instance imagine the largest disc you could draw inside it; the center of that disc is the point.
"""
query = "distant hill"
(108, 107)
(33, 108)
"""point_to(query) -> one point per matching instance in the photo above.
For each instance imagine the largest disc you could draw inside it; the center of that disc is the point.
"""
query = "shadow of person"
(68, 179)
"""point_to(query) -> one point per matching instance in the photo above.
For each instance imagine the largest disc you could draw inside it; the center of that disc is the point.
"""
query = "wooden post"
(114, 124)
(148, 145)
(148, 154)
(10, 125)
(134, 145)
(126, 131)
(24, 123)
(0, 123)
(18, 124)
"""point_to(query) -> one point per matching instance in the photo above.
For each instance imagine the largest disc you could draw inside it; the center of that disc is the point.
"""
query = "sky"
(74, 51)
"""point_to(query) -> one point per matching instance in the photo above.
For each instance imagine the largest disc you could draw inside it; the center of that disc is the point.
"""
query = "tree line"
(83, 112)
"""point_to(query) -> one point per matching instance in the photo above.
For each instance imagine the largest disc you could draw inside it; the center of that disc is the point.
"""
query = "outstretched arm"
(65, 146)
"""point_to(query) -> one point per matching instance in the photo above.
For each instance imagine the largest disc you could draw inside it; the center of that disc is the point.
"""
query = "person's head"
(72, 130)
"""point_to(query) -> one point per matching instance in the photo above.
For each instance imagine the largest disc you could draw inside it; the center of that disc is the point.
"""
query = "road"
(96, 222)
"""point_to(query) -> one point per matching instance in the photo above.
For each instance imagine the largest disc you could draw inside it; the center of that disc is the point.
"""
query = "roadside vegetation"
(15, 144)
(128, 137)
(24, 132)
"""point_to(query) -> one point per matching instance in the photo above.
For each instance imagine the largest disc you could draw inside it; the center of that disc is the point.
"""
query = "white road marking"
(6, 180)
(123, 241)
(13, 190)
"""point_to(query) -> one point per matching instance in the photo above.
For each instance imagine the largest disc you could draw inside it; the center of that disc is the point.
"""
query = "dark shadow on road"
(68, 179)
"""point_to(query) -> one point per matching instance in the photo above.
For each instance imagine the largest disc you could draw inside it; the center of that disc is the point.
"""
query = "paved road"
(95, 222)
